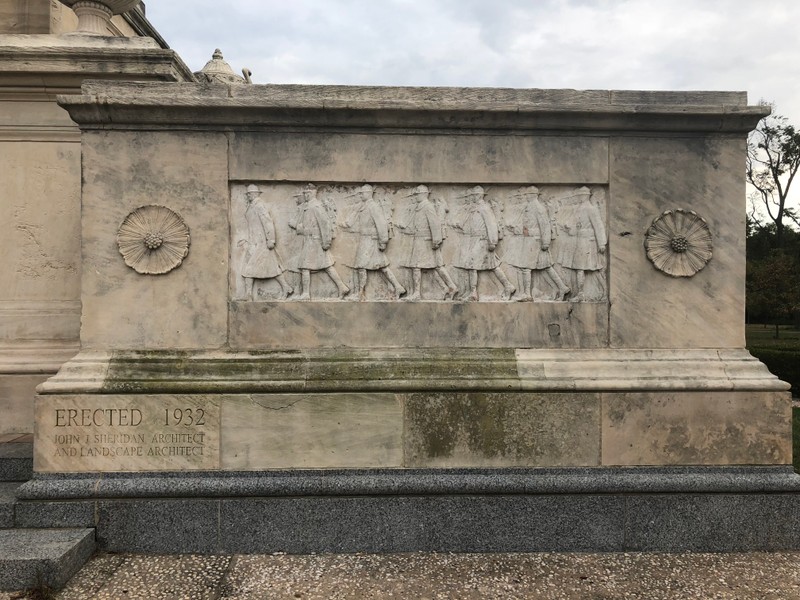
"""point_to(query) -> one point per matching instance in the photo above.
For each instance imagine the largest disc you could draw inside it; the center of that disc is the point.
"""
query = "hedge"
(783, 363)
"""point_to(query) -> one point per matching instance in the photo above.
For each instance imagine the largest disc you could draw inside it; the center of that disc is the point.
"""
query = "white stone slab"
(312, 431)
(126, 433)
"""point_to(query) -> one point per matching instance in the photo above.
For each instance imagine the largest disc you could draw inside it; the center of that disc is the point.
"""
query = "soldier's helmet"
(253, 189)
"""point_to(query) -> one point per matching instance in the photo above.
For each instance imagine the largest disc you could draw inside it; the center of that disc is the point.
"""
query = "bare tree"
(773, 159)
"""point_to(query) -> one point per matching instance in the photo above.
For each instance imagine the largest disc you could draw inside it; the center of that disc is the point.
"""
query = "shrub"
(783, 363)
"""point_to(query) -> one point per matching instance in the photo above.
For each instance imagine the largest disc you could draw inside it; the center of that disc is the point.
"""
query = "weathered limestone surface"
(692, 428)
(250, 432)
(17, 393)
(648, 308)
(436, 158)
(285, 431)
(408, 325)
(502, 430)
(187, 307)
(650, 372)
(40, 175)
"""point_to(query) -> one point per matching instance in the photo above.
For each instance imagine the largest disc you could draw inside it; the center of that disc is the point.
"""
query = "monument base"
(664, 509)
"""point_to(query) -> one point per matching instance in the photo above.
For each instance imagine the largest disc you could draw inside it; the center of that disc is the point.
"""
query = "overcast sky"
(584, 44)
(742, 45)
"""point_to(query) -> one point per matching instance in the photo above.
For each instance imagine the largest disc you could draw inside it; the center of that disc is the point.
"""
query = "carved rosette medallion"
(153, 240)
(679, 243)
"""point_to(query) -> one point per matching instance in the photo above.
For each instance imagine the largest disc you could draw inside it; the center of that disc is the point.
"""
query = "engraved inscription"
(395, 243)
(120, 434)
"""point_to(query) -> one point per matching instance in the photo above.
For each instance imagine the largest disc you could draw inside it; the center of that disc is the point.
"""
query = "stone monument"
(324, 318)
(42, 55)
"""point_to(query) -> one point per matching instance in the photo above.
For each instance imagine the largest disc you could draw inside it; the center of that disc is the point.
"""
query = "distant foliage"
(773, 159)
(773, 276)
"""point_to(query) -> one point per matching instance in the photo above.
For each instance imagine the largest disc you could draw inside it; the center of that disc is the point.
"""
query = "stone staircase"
(33, 556)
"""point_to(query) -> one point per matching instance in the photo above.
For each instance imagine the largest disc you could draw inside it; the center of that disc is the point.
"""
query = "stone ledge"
(87, 56)
(254, 106)
(420, 369)
(32, 357)
(456, 522)
(33, 557)
(16, 461)
(401, 482)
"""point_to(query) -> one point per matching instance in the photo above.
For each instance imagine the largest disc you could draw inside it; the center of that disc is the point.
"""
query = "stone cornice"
(253, 107)
(83, 57)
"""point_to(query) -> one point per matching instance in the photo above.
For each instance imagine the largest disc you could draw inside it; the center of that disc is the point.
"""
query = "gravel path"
(549, 576)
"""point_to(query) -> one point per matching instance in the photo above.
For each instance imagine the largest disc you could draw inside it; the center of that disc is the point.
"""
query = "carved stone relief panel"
(411, 243)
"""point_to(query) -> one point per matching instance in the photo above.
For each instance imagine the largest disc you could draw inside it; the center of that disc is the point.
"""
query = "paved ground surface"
(774, 576)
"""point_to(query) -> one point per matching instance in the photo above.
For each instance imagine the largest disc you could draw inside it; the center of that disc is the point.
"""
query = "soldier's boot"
(362, 285)
(472, 294)
(452, 288)
(286, 289)
(399, 290)
(249, 288)
(305, 285)
(334, 275)
(581, 279)
(416, 277)
(524, 295)
(508, 287)
(555, 279)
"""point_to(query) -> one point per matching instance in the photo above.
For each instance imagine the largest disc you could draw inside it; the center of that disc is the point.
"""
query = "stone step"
(16, 461)
(7, 501)
(42, 557)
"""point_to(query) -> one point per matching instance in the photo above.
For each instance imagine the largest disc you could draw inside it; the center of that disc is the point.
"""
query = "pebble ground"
(548, 576)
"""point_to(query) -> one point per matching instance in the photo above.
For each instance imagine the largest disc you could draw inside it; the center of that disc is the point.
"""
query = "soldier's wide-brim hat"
(418, 191)
(473, 191)
(364, 189)
(309, 187)
(253, 189)
(528, 191)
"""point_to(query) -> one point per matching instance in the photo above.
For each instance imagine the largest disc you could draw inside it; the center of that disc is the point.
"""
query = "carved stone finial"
(219, 71)
(94, 15)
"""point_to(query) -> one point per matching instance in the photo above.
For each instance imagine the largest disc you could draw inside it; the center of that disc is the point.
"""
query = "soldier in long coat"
(581, 238)
(261, 259)
(527, 247)
(316, 230)
(480, 236)
(424, 250)
(371, 225)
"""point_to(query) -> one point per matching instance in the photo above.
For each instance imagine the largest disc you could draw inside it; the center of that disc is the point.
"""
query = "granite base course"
(635, 509)
(34, 557)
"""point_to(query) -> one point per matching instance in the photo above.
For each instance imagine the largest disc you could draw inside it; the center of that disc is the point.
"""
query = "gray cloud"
(642, 44)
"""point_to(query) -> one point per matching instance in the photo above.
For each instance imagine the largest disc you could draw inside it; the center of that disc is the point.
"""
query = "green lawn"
(763, 336)
(796, 438)
(782, 357)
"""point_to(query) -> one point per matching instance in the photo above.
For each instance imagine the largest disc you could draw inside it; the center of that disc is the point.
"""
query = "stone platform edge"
(402, 482)
(420, 369)
(726, 509)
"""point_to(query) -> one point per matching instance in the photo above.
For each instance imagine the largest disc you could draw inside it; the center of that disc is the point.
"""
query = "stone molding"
(127, 105)
(83, 57)
(403, 370)
(36, 357)
(372, 482)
